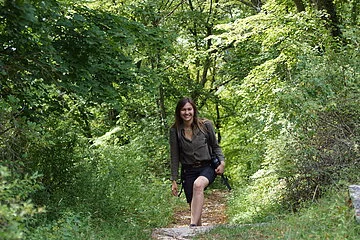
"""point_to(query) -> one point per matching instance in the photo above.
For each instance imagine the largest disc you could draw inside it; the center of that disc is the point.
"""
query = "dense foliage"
(328, 218)
(87, 95)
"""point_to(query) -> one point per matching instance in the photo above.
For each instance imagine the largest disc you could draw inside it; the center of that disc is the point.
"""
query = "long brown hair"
(197, 122)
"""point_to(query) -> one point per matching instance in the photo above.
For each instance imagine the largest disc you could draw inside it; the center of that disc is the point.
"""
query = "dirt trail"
(213, 214)
(213, 211)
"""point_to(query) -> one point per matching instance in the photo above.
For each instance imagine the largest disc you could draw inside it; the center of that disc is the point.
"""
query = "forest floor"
(213, 214)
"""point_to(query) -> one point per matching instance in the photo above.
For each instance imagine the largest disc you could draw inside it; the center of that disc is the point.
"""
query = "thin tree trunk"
(329, 7)
(299, 5)
(161, 104)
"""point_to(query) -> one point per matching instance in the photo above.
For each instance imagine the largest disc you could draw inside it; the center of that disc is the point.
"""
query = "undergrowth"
(118, 197)
(331, 217)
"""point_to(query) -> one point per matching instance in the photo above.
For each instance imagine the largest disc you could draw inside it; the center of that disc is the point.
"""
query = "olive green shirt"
(185, 151)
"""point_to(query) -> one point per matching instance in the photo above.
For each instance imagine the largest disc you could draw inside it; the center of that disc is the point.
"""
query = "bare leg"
(198, 199)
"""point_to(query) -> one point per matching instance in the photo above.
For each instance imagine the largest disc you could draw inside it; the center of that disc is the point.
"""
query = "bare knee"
(200, 184)
(198, 187)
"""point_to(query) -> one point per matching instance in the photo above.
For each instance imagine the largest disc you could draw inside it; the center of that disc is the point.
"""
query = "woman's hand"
(221, 168)
(174, 189)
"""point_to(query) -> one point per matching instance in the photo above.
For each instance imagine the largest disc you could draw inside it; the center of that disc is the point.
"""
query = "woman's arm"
(174, 155)
(216, 149)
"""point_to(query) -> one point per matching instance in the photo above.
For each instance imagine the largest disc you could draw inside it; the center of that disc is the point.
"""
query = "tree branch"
(255, 4)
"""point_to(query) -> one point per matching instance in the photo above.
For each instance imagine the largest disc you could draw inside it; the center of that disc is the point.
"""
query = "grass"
(329, 218)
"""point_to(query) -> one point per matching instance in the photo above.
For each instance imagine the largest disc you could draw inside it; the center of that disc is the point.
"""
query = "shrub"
(16, 209)
(70, 225)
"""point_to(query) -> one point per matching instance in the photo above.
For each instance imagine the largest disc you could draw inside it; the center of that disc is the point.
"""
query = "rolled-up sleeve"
(174, 154)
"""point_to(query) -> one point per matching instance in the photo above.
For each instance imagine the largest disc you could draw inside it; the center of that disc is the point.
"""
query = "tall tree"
(323, 5)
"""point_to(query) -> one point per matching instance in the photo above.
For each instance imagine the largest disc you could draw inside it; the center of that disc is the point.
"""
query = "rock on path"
(354, 191)
(179, 233)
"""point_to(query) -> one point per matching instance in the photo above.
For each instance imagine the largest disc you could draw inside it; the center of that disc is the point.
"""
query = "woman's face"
(187, 113)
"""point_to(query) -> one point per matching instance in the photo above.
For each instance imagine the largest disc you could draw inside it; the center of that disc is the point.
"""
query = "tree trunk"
(329, 7)
(299, 5)
(161, 105)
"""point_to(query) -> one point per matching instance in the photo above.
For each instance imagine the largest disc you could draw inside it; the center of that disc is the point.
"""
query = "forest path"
(213, 214)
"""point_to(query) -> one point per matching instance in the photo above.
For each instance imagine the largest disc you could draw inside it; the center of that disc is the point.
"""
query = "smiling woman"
(186, 114)
(192, 142)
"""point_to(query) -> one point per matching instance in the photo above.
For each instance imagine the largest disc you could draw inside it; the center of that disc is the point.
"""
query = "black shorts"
(191, 174)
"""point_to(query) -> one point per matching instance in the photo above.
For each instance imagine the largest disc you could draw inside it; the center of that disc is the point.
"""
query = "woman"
(192, 141)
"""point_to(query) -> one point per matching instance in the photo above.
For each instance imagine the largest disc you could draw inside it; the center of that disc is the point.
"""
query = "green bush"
(124, 188)
(327, 218)
(297, 129)
(16, 209)
(70, 225)
(118, 189)
(57, 151)
(262, 198)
